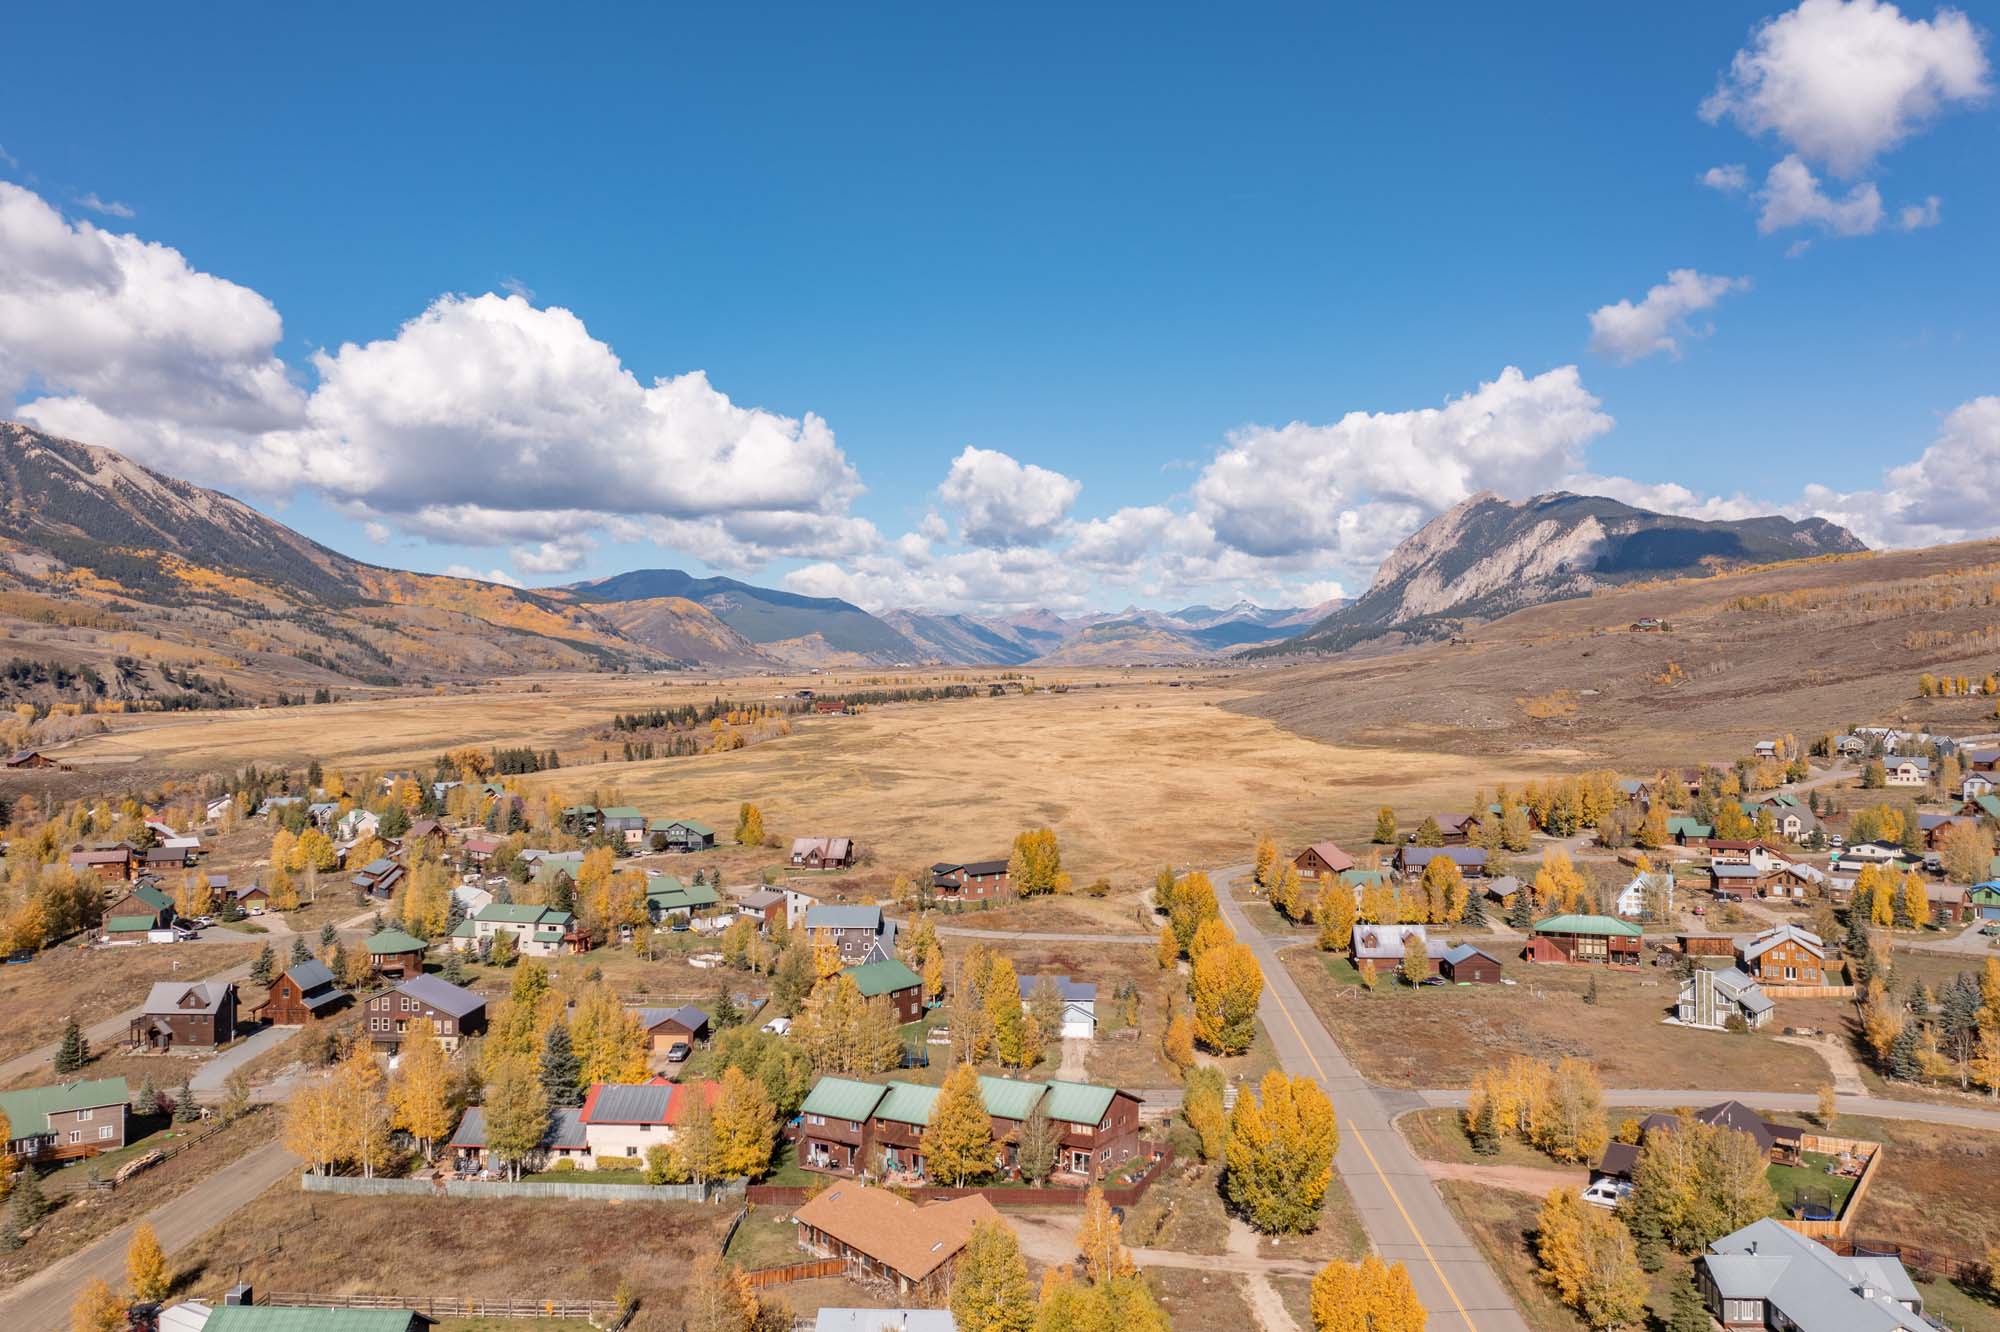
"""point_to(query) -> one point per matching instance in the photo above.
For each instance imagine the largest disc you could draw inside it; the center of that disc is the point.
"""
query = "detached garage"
(1466, 965)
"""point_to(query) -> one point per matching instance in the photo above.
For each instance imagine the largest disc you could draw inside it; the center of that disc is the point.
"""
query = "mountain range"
(120, 581)
(1488, 556)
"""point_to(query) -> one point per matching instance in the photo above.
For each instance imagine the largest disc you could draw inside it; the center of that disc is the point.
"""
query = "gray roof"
(165, 996)
(309, 975)
(844, 918)
(885, 1320)
(1071, 991)
(1770, 939)
(565, 1130)
(1742, 989)
(442, 995)
(687, 1015)
(760, 898)
(620, 1103)
(1464, 951)
(1815, 1288)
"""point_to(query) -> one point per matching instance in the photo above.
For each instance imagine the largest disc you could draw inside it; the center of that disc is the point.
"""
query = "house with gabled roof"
(683, 835)
(850, 1127)
(562, 1140)
(538, 931)
(885, 1239)
(1079, 1005)
(1322, 858)
(379, 878)
(970, 880)
(625, 1119)
(671, 902)
(395, 955)
(1906, 770)
(1784, 955)
(1710, 997)
(815, 853)
(1379, 948)
(65, 1120)
(668, 1027)
(178, 1015)
(1767, 1275)
(136, 914)
(625, 826)
(890, 978)
(861, 933)
(1579, 937)
(109, 863)
(453, 1012)
(306, 991)
(1412, 861)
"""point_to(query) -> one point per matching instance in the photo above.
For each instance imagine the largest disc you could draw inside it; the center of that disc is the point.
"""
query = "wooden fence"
(1811, 991)
(1921, 1263)
(159, 1156)
(601, 1312)
(1121, 1195)
(578, 1189)
(760, 1277)
(1841, 1224)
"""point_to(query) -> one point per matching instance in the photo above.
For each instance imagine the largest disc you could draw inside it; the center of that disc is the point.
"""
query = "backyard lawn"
(1811, 1177)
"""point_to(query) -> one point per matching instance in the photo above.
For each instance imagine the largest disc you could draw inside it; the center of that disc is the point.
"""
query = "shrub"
(619, 1163)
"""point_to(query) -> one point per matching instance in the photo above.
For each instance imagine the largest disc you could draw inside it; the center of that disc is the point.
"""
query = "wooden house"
(1786, 955)
(970, 881)
(454, 1013)
(395, 955)
(683, 835)
(667, 1027)
(1465, 964)
(887, 1240)
(1586, 938)
(861, 933)
(817, 853)
(113, 863)
(304, 992)
(766, 906)
(1321, 858)
(31, 758)
(1412, 861)
(890, 979)
(178, 1015)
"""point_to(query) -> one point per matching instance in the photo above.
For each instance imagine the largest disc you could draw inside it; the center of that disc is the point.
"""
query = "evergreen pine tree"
(1475, 908)
(1590, 995)
(1685, 1312)
(454, 966)
(1903, 1054)
(300, 953)
(185, 1109)
(1522, 914)
(561, 1070)
(25, 1206)
(1485, 1132)
(328, 936)
(72, 1051)
(149, 1097)
(265, 968)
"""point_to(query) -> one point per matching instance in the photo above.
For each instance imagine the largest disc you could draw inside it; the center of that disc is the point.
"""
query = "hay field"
(1131, 771)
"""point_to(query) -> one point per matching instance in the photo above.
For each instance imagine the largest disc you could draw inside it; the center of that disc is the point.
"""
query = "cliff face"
(1488, 556)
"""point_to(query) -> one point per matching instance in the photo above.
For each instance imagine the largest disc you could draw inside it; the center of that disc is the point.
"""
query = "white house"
(1631, 902)
(538, 931)
(1905, 770)
(1709, 998)
(1975, 785)
(1079, 1019)
(357, 824)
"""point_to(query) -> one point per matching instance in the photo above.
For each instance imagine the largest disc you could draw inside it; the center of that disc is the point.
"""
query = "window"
(104, 1131)
(816, 1119)
(82, 1115)
(76, 1135)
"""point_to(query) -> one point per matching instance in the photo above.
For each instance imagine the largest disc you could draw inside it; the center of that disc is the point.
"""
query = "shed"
(1468, 965)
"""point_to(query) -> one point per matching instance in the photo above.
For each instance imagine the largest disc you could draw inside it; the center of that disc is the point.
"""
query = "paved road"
(41, 1303)
(217, 1070)
(1876, 1107)
(100, 1035)
(1402, 1211)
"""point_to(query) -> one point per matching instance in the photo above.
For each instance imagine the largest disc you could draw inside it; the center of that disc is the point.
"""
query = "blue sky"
(1115, 257)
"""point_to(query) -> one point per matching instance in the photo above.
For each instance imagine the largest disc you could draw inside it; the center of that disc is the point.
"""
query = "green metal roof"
(1078, 1102)
(511, 913)
(1361, 878)
(664, 883)
(884, 977)
(1008, 1099)
(129, 924)
(1690, 827)
(621, 812)
(279, 1318)
(29, 1110)
(682, 898)
(393, 941)
(152, 897)
(908, 1103)
(1991, 804)
(1578, 924)
(695, 826)
(465, 929)
(548, 933)
(842, 1098)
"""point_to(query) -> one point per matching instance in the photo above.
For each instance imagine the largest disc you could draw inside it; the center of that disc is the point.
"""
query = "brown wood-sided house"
(453, 1013)
(766, 906)
(822, 852)
(1705, 945)
(1584, 938)
(668, 1027)
(178, 1014)
(972, 881)
(31, 758)
(305, 992)
(885, 1239)
(1786, 955)
(109, 864)
(395, 955)
(1468, 965)
(1322, 858)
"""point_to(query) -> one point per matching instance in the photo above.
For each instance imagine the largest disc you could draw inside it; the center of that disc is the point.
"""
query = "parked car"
(778, 1026)
(1990, 929)
(1836, 841)
(1606, 1192)
(678, 1052)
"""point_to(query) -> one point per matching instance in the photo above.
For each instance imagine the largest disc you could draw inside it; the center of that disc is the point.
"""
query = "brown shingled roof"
(914, 1240)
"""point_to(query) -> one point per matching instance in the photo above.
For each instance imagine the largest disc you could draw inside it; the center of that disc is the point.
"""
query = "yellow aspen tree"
(1168, 950)
(1177, 1042)
(1378, 903)
(1280, 1153)
(1335, 913)
(1917, 902)
(1264, 869)
(312, 1125)
(958, 1144)
(1226, 985)
(362, 1110)
(97, 1309)
(934, 974)
(1099, 1242)
(282, 843)
(1211, 934)
(610, 1044)
(146, 1274)
(746, 1125)
(420, 1090)
(1368, 1296)
(990, 1290)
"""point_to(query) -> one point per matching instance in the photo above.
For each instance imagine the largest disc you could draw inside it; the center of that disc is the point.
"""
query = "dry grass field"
(290, 1240)
(1131, 771)
(1441, 1037)
(1797, 647)
(93, 984)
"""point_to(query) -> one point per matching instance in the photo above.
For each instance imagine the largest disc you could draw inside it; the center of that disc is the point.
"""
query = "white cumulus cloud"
(1731, 179)
(1625, 332)
(1842, 81)
(500, 576)
(1792, 197)
(1002, 502)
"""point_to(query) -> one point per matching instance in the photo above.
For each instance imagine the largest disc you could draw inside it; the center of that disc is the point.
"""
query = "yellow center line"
(1376, 1166)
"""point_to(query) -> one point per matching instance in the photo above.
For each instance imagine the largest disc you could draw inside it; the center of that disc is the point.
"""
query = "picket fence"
(578, 1191)
(1121, 1195)
(601, 1313)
